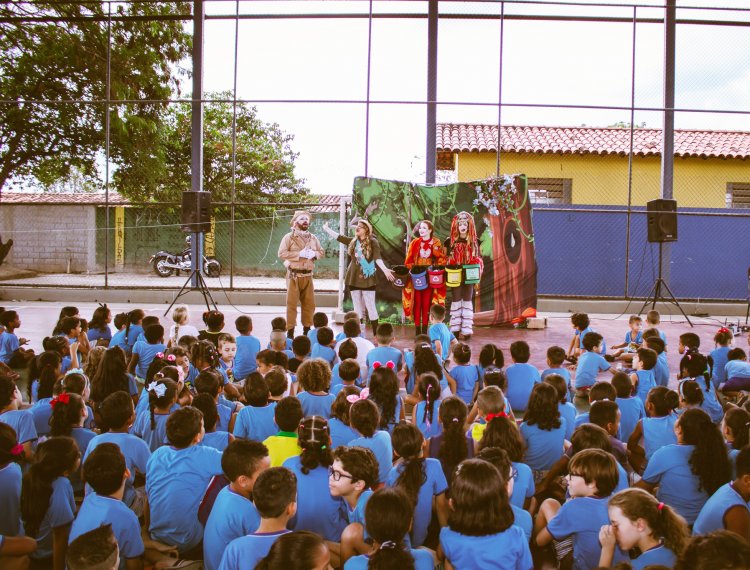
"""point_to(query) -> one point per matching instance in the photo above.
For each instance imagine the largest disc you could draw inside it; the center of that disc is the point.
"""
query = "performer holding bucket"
(463, 272)
(364, 252)
(418, 296)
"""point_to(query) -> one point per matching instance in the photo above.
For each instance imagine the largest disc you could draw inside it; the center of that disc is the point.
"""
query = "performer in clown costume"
(424, 250)
(462, 248)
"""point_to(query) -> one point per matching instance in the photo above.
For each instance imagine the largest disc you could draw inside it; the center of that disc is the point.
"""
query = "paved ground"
(38, 319)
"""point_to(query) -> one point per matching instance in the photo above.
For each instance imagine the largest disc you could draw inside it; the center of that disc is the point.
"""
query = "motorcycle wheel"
(212, 267)
(160, 266)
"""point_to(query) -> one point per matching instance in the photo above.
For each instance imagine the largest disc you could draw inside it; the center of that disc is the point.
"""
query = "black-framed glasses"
(337, 475)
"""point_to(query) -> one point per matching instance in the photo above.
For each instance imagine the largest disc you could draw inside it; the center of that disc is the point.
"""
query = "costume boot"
(455, 322)
(290, 334)
(374, 325)
(305, 330)
(467, 319)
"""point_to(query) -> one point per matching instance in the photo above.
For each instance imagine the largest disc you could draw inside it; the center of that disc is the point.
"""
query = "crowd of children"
(172, 447)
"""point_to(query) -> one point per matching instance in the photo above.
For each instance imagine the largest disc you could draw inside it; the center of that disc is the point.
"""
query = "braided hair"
(315, 441)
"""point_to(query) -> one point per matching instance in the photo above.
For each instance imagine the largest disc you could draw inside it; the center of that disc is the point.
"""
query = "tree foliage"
(53, 55)
(264, 165)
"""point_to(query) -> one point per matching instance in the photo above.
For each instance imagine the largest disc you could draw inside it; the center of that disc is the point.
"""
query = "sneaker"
(609, 358)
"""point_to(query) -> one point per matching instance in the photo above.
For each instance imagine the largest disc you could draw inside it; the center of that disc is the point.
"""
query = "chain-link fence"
(299, 98)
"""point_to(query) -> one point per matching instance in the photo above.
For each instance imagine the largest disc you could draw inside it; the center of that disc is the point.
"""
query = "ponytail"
(315, 441)
(664, 522)
(407, 443)
(388, 516)
(453, 449)
(54, 457)
(429, 389)
(503, 432)
(47, 364)
(391, 554)
(66, 413)
(161, 393)
(738, 421)
(709, 460)
(663, 400)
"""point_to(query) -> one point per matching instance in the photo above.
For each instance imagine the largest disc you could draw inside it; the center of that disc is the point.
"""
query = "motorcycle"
(165, 263)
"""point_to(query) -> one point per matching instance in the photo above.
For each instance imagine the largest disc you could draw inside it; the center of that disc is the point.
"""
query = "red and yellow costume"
(417, 303)
(463, 251)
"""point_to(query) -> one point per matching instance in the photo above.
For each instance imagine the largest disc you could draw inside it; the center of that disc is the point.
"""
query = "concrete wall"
(46, 237)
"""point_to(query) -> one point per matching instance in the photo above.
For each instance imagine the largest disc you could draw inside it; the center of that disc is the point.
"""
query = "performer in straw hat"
(463, 249)
(299, 249)
(364, 252)
(423, 251)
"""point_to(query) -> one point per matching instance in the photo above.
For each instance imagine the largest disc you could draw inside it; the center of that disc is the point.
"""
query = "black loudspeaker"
(196, 212)
(662, 220)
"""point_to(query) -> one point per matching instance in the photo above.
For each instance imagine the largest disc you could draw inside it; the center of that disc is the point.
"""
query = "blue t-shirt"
(507, 550)
(175, 482)
(118, 339)
(256, 423)
(95, 335)
(523, 484)
(646, 381)
(225, 415)
(244, 361)
(146, 353)
(219, 440)
(23, 422)
(658, 433)
(338, 387)
(582, 334)
(543, 447)
(316, 405)
(341, 434)
(711, 517)
(132, 337)
(324, 352)
(10, 500)
(9, 343)
(442, 333)
(422, 561)
(82, 437)
(657, 556)
(737, 369)
(466, 377)
(631, 412)
(434, 427)
(383, 355)
(589, 366)
(522, 519)
(155, 437)
(661, 370)
(637, 340)
(317, 510)
(719, 358)
(312, 334)
(568, 413)
(136, 452)
(564, 372)
(97, 510)
(380, 445)
(232, 516)
(582, 518)
(61, 511)
(434, 484)
(357, 514)
(679, 487)
(521, 379)
(245, 552)
(411, 380)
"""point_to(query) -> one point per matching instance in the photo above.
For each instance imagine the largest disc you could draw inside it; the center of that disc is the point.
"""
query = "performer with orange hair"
(423, 251)
(463, 249)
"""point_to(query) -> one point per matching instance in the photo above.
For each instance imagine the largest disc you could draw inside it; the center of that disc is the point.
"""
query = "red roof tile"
(590, 140)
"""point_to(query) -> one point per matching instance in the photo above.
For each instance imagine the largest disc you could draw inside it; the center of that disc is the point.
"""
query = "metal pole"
(342, 253)
(234, 148)
(106, 147)
(500, 91)
(196, 133)
(667, 143)
(432, 55)
(630, 158)
(367, 101)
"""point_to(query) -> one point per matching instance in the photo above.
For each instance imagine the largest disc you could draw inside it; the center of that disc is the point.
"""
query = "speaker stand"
(202, 287)
(655, 294)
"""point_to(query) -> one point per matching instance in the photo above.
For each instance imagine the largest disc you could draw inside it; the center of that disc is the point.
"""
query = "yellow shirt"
(281, 447)
(477, 431)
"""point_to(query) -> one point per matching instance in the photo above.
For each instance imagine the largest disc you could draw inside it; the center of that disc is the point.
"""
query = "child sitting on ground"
(383, 391)
(233, 514)
(643, 378)
(248, 347)
(633, 340)
(256, 420)
(347, 351)
(556, 364)
(653, 319)
(425, 414)
(275, 498)
(301, 350)
(718, 359)
(349, 374)
(606, 415)
(465, 375)
(490, 403)
(151, 425)
(632, 408)
(320, 320)
(324, 348)
(181, 326)
(227, 353)
(384, 352)
(661, 370)
(590, 364)
(22, 421)
(214, 321)
(441, 337)
(365, 419)
(581, 326)
(567, 410)
(521, 375)
(314, 378)
(218, 439)
(284, 444)
(338, 424)
(145, 352)
(656, 430)
(12, 352)
(209, 382)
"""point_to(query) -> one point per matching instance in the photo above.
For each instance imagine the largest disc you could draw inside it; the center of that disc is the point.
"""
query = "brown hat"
(299, 213)
(364, 222)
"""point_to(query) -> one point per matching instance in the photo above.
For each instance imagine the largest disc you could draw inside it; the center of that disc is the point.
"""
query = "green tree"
(56, 52)
(264, 168)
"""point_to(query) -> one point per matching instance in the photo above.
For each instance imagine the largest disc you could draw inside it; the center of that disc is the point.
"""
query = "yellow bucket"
(453, 275)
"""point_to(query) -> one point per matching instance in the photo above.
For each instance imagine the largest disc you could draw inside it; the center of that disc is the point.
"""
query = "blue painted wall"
(580, 251)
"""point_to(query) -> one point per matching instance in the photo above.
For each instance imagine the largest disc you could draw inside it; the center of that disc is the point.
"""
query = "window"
(738, 195)
(550, 190)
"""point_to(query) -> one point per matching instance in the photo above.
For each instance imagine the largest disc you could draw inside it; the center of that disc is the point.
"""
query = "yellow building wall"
(698, 183)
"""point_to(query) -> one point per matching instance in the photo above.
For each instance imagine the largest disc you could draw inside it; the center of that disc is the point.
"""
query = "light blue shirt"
(427, 427)
(341, 434)
(711, 517)
(245, 552)
(543, 447)
(631, 412)
(442, 333)
(380, 445)
(232, 516)
(61, 511)
(256, 423)
(248, 348)
(422, 561)
(465, 551)
(467, 378)
(10, 500)
(589, 366)
(316, 405)
(9, 343)
(135, 451)
(146, 353)
(521, 379)
(23, 422)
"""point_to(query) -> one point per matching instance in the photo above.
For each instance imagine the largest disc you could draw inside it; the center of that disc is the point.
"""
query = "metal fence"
(371, 87)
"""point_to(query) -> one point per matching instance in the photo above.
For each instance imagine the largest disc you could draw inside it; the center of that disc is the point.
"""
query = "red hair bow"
(390, 364)
(491, 417)
(16, 450)
(724, 330)
(61, 399)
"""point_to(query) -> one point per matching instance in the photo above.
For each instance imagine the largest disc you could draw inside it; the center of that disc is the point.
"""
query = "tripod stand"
(196, 275)
(655, 294)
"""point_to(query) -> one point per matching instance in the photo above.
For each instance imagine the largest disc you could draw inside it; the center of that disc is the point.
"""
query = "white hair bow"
(158, 389)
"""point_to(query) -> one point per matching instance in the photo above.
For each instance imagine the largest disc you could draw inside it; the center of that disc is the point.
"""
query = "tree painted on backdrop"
(264, 165)
(56, 52)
